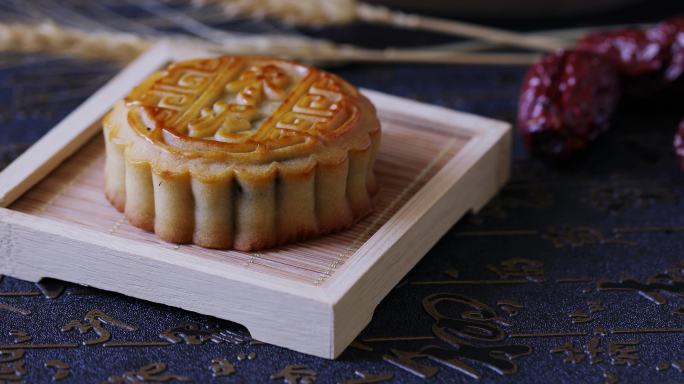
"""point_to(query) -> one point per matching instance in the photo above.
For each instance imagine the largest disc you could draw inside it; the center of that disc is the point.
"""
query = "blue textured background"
(615, 212)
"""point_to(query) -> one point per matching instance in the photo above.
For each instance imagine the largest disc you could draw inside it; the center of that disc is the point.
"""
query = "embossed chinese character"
(519, 268)
(671, 281)
(615, 200)
(572, 353)
(580, 236)
(575, 355)
(222, 119)
(12, 367)
(192, 333)
(225, 120)
(476, 322)
(579, 316)
(624, 352)
(95, 320)
(258, 82)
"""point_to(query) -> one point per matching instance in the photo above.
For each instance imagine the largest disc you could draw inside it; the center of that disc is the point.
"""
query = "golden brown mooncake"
(241, 152)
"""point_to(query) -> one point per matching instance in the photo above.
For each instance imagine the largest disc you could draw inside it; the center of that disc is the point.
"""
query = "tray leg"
(347, 327)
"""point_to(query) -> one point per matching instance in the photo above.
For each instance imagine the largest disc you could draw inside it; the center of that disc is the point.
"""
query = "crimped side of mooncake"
(241, 210)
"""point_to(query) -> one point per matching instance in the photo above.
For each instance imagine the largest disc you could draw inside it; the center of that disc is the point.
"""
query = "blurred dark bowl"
(507, 9)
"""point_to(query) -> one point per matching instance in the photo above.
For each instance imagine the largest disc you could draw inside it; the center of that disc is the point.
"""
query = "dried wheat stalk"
(49, 37)
(298, 12)
(383, 15)
(334, 12)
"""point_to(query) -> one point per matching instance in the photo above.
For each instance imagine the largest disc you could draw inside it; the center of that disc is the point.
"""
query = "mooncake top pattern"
(245, 109)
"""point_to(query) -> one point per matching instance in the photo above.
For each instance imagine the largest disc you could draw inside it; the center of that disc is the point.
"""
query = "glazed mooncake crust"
(241, 152)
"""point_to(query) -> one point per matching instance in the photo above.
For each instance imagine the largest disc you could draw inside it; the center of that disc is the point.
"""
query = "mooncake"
(241, 153)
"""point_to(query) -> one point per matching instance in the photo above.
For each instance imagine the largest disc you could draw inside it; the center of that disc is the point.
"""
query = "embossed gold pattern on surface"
(225, 104)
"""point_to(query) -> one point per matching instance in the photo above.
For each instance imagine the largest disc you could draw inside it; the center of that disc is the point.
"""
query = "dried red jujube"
(647, 60)
(631, 50)
(566, 102)
(639, 59)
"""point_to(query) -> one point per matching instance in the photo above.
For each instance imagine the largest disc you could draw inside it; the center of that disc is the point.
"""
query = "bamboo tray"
(314, 297)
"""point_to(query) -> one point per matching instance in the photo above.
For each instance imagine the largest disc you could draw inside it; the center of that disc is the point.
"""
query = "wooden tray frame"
(321, 320)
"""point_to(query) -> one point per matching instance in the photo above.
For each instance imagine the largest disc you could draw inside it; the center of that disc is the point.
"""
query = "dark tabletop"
(572, 273)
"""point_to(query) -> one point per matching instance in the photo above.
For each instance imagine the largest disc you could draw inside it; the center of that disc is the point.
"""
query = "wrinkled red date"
(631, 50)
(640, 60)
(647, 60)
(679, 143)
(566, 102)
(567, 98)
